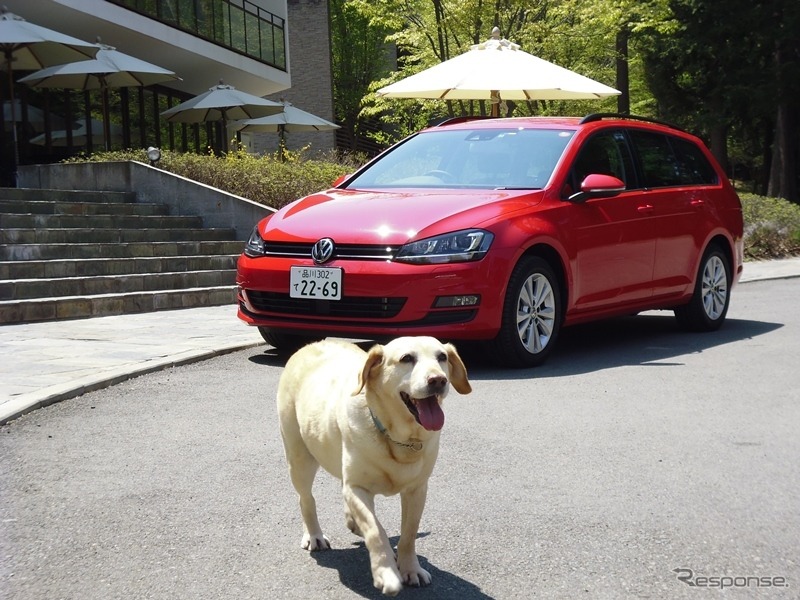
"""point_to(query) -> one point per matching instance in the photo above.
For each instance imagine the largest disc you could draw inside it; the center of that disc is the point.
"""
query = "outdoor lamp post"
(153, 155)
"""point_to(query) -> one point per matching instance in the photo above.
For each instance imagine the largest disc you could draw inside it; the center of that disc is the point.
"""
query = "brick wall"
(310, 69)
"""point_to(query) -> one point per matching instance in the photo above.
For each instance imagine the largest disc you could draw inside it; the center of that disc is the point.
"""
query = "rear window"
(671, 161)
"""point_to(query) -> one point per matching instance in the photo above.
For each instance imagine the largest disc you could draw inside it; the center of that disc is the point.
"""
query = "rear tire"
(286, 343)
(532, 315)
(708, 307)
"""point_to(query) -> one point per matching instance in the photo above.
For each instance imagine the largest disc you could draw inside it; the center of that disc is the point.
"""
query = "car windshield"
(479, 158)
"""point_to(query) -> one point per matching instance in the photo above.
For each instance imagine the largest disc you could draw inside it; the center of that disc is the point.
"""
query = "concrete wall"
(184, 197)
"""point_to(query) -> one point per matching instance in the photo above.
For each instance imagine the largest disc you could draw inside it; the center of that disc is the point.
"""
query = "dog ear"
(458, 372)
(373, 362)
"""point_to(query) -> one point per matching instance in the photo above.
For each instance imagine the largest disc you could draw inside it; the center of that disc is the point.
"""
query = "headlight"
(461, 246)
(255, 245)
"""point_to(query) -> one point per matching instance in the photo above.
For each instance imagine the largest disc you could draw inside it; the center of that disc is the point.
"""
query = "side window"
(694, 166)
(605, 153)
(660, 167)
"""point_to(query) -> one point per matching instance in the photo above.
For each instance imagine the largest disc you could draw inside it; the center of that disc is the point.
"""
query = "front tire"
(285, 343)
(532, 315)
(708, 307)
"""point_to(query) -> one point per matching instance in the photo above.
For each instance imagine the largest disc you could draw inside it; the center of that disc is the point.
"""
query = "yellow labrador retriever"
(372, 419)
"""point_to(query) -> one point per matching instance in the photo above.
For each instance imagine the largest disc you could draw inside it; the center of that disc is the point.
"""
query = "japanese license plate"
(319, 283)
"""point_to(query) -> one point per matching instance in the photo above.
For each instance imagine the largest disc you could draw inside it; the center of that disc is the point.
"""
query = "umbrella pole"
(106, 124)
(13, 118)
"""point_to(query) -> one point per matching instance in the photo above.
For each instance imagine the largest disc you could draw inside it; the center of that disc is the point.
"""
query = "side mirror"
(598, 186)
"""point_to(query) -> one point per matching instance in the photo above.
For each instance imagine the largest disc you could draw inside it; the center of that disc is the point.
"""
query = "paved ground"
(43, 363)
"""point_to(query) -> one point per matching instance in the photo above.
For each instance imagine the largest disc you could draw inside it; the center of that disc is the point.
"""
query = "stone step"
(111, 250)
(26, 289)
(111, 235)
(42, 195)
(32, 269)
(77, 307)
(82, 208)
(32, 221)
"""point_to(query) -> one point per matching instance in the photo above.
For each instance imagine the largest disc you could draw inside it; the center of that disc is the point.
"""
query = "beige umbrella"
(109, 69)
(222, 103)
(497, 70)
(291, 119)
(26, 46)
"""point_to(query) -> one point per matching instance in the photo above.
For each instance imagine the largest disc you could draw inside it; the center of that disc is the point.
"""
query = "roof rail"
(600, 116)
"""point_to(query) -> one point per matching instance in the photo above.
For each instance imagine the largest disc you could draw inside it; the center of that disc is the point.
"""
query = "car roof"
(592, 121)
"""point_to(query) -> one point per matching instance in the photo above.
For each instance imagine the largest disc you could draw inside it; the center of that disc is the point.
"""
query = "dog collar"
(412, 444)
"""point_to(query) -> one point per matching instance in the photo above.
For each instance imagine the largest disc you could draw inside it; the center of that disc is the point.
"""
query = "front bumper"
(380, 299)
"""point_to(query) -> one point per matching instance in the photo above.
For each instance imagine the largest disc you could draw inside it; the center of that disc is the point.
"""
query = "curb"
(26, 403)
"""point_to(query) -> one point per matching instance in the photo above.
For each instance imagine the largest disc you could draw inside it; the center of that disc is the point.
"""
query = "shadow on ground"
(354, 573)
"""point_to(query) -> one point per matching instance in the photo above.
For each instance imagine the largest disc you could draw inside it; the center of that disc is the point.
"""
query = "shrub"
(263, 179)
(771, 227)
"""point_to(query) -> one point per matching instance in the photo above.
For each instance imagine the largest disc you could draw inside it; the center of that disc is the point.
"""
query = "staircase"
(74, 254)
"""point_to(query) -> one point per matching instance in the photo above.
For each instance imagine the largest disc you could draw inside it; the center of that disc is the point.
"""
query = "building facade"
(269, 48)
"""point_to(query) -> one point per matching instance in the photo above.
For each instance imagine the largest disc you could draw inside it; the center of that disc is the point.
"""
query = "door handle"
(645, 208)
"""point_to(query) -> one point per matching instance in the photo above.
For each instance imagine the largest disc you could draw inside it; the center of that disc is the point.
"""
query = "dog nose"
(436, 383)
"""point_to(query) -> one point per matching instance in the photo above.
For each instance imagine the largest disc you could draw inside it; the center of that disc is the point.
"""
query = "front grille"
(341, 251)
(347, 308)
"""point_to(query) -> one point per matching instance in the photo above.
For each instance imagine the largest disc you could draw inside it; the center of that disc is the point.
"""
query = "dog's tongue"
(431, 416)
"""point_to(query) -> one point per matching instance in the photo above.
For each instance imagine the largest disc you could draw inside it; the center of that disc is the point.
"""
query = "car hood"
(392, 217)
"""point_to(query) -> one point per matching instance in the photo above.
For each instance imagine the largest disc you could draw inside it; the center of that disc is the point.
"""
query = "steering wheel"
(443, 175)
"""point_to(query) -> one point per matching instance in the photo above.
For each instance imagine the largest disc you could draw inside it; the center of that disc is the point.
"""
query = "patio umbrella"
(80, 135)
(497, 70)
(222, 103)
(291, 119)
(109, 69)
(26, 46)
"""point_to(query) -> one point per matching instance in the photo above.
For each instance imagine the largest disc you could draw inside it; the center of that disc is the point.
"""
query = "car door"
(614, 236)
(675, 174)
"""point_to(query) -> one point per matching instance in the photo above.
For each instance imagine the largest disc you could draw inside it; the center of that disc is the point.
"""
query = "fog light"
(456, 301)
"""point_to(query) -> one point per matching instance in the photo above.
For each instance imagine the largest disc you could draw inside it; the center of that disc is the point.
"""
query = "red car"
(503, 231)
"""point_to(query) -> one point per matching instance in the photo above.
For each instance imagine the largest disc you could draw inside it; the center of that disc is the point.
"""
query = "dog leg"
(351, 522)
(412, 504)
(303, 468)
(385, 575)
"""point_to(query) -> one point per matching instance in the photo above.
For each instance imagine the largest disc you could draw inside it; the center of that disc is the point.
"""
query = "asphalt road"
(637, 450)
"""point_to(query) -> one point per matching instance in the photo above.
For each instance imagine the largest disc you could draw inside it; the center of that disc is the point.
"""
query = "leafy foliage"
(771, 227)
(263, 179)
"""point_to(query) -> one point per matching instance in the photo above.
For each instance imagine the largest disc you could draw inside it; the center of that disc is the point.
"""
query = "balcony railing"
(238, 25)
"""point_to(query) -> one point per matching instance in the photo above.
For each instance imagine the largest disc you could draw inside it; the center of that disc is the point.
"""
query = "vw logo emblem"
(322, 251)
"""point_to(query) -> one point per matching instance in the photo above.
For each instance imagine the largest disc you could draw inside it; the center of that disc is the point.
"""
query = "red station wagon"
(502, 231)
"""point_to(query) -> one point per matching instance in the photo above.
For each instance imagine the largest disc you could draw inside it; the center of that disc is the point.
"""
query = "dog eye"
(442, 357)
(408, 358)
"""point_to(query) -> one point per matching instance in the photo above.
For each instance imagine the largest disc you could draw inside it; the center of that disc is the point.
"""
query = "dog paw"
(315, 542)
(388, 581)
(413, 574)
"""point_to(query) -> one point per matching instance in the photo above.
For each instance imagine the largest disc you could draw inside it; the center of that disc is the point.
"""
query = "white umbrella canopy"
(80, 135)
(290, 120)
(26, 46)
(109, 69)
(222, 103)
(497, 70)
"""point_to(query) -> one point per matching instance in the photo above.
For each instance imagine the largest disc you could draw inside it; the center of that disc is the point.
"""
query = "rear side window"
(694, 166)
(670, 161)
